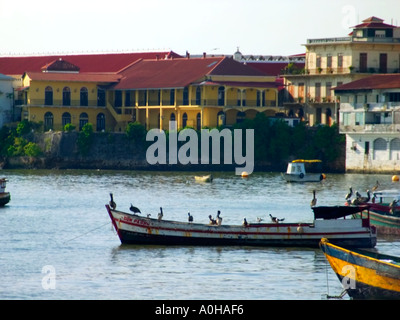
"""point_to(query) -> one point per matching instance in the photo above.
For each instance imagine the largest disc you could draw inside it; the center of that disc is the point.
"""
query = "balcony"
(60, 103)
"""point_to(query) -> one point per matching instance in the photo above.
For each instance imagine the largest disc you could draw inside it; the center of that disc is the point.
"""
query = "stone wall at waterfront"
(114, 151)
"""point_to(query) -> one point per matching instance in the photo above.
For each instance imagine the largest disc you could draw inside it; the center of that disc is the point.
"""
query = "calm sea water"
(57, 241)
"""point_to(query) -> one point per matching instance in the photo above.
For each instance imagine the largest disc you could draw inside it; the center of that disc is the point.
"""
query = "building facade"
(370, 119)
(372, 47)
(6, 99)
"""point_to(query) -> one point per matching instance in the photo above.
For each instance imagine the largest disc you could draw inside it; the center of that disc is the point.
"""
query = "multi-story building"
(372, 47)
(195, 92)
(6, 99)
(370, 118)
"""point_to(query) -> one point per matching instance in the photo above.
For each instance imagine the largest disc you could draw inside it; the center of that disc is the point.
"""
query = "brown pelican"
(190, 217)
(275, 219)
(348, 196)
(314, 200)
(113, 205)
(212, 221)
(160, 215)
(134, 209)
(219, 219)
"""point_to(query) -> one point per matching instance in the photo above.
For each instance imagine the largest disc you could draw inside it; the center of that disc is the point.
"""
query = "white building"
(372, 47)
(370, 118)
(6, 99)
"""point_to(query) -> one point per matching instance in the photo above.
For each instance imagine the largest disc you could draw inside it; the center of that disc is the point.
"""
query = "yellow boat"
(364, 274)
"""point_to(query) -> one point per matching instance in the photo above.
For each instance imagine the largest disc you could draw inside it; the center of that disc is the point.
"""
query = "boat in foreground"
(385, 211)
(296, 172)
(136, 229)
(4, 196)
(364, 274)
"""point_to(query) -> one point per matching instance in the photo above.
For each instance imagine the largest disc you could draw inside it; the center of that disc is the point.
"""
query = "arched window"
(220, 119)
(198, 96)
(380, 149)
(221, 96)
(172, 97)
(184, 120)
(101, 97)
(66, 97)
(48, 121)
(83, 119)
(84, 97)
(240, 116)
(48, 96)
(172, 117)
(101, 122)
(65, 118)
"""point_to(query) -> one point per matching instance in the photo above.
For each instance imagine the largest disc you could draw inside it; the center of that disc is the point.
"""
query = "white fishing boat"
(296, 172)
(329, 222)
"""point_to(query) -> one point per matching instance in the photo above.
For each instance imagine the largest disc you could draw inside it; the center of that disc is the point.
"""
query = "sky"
(257, 27)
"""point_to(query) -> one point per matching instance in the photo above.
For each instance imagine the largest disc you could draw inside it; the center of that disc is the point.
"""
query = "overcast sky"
(278, 27)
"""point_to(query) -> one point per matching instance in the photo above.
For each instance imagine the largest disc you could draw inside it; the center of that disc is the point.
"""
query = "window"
(127, 98)
(221, 96)
(240, 116)
(48, 96)
(100, 122)
(65, 118)
(118, 98)
(318, 62)
(329, 61)
(363, 62)
(380, 149)
(101, 97)
(198, 96)
(172, 97)
(394, 96)
(83, 119)
(185, 96)
(198, 121)
(84, 97)
(48, 121)
(220, 119)
(172, 117)
(318, 92)
(340, 60)
(184, 120)
(66, 96)
(395, 149)
(260, 98)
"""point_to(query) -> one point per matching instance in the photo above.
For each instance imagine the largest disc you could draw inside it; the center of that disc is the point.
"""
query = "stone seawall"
(113, 151)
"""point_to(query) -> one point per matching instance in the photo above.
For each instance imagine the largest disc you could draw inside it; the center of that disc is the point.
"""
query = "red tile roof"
(373, 22)
(113, 62)
(178, 73)
(380, 81)
(74, 77)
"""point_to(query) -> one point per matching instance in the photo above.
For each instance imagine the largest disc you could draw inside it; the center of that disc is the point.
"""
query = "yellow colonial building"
(194, 92)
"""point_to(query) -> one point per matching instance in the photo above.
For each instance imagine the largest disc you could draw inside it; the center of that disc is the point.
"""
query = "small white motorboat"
(296, 172)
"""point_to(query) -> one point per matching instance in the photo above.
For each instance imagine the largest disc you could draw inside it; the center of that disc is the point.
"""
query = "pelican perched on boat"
(348, 196)
(314, 200)
(113, 205)
(219, 219)
(245, 223)
(134, 209)
(212, 221)
(392, 205)
(190, 217)
(160, 215)
(360, 199)
(275, 219)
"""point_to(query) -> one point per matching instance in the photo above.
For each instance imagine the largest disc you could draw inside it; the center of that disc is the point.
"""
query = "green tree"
(85, 139)
(136, 132)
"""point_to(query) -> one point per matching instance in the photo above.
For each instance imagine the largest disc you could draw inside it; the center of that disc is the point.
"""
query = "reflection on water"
(58, 218)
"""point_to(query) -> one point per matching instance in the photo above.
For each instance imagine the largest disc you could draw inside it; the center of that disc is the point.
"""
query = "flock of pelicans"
(358, 200)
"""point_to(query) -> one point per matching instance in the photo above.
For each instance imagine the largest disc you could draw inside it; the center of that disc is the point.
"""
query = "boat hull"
(385, 222)
(133, 229)
(4, 198)
(308, 177)
(363, 274)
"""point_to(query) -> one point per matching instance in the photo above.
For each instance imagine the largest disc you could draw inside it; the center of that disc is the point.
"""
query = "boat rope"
(86, 232)
(327, 295)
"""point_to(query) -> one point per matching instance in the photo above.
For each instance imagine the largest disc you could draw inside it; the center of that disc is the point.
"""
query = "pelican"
(259, 219)
(219, 219)
(392, 205)
(113, 205)
(275, 219)
(212, 221)
(376, 186)
(360, 199)
(134, 209)
(314, 200)
(160, 215)
(245, 224)
(348, 196)
(190, 217)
